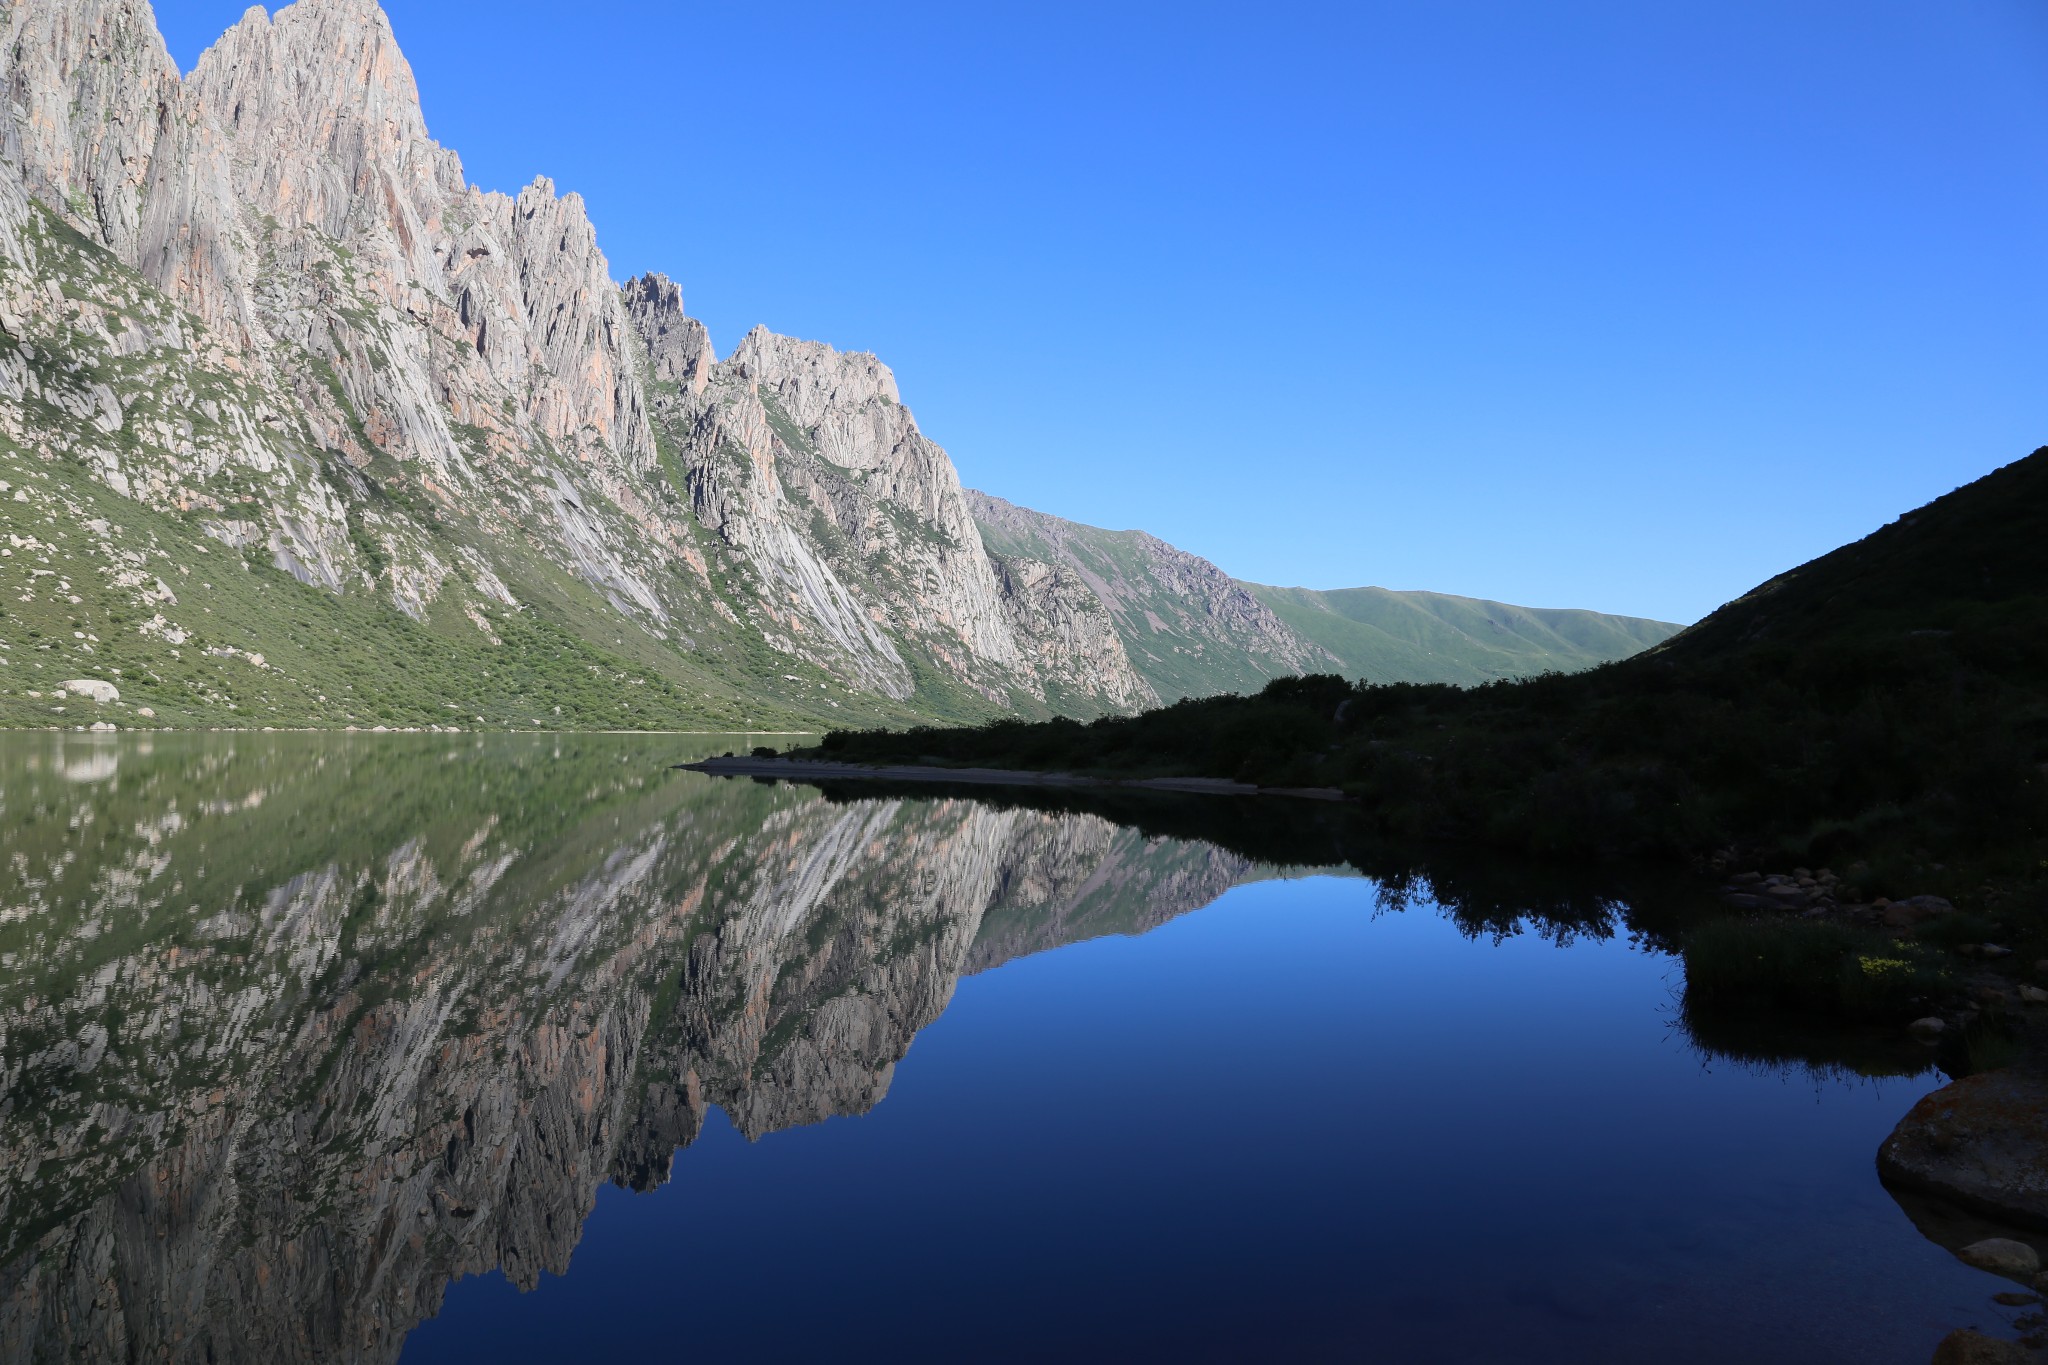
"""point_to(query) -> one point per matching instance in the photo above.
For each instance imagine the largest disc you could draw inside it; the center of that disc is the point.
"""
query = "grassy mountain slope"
(1379, 635)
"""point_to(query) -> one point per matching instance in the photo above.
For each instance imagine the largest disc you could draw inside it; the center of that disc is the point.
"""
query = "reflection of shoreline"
(812, 770)
(297, 1033)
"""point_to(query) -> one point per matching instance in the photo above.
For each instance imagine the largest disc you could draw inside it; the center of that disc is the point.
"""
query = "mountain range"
(299, 427)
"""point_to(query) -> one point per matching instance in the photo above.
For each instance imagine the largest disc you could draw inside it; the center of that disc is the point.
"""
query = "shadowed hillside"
(1886, 703)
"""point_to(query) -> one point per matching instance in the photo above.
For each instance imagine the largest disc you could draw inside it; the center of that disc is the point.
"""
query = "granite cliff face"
(375, 1019)
(848, 530)
(263, 304)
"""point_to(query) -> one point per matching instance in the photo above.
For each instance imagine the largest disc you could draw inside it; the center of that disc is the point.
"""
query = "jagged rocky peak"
(678, 345)
(812, 380)
(85, 80)
(324, 116)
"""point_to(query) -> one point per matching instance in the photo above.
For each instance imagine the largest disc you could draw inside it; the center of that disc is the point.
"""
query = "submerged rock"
(2002, 1256)
(1968, 1347)
(1981, 1142)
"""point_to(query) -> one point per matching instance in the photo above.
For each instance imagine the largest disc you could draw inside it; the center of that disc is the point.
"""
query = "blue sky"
(1581, 303)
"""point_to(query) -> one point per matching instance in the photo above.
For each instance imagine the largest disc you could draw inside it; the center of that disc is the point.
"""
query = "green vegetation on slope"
(260, 648)
(1379, 635)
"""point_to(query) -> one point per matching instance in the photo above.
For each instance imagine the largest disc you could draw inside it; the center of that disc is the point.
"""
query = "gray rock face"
(1070, 636)
(321, 310)
(852, 526)
(1189, 628)
(329, 1079)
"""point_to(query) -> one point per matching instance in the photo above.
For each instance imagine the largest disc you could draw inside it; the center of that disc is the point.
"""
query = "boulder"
(2003, 1256)
(1916, 910)
(1968, 1347)
(1928, 1030)
(103, 692)
(1981, 1142)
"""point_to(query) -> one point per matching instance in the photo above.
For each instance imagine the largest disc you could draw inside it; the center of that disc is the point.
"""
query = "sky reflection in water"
(1279, 1127)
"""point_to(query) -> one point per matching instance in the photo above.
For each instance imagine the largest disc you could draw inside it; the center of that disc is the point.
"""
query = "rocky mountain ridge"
(278, 383)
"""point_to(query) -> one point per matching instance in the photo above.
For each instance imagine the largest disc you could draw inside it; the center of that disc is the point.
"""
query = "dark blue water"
(1281, 1127)
(321, 1049)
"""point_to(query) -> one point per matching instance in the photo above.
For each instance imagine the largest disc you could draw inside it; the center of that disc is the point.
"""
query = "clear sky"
(1595, 303)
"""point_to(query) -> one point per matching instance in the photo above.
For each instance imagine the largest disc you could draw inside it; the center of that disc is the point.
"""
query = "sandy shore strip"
(809, 770)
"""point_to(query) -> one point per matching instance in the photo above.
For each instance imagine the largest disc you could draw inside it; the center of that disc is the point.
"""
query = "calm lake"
(507, 1048)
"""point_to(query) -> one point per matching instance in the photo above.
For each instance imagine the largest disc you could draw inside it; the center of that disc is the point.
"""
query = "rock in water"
(1968, 1347)
(2003, 1256)
(1981, 1142)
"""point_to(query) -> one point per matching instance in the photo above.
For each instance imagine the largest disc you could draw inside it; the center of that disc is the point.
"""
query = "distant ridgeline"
(1886, 703)
(298, 427)
(1193, 631)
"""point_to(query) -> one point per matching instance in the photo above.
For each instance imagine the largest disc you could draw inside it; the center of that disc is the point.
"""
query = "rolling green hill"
(1379, 635)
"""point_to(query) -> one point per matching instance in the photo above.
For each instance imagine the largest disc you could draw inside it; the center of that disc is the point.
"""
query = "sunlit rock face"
(296, 1031)
(263, 293)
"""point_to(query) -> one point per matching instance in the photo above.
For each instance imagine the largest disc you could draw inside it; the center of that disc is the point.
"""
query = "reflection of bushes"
(1771, 1040)
(1808, 966)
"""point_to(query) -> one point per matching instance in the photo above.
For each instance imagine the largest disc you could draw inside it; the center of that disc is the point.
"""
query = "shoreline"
(379, 730)
(801, 770)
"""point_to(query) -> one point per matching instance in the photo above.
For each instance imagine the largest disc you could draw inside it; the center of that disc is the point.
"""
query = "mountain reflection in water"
(297, 1030)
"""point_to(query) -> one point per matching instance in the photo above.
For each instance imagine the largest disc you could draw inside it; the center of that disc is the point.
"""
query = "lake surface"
(507, 1048)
